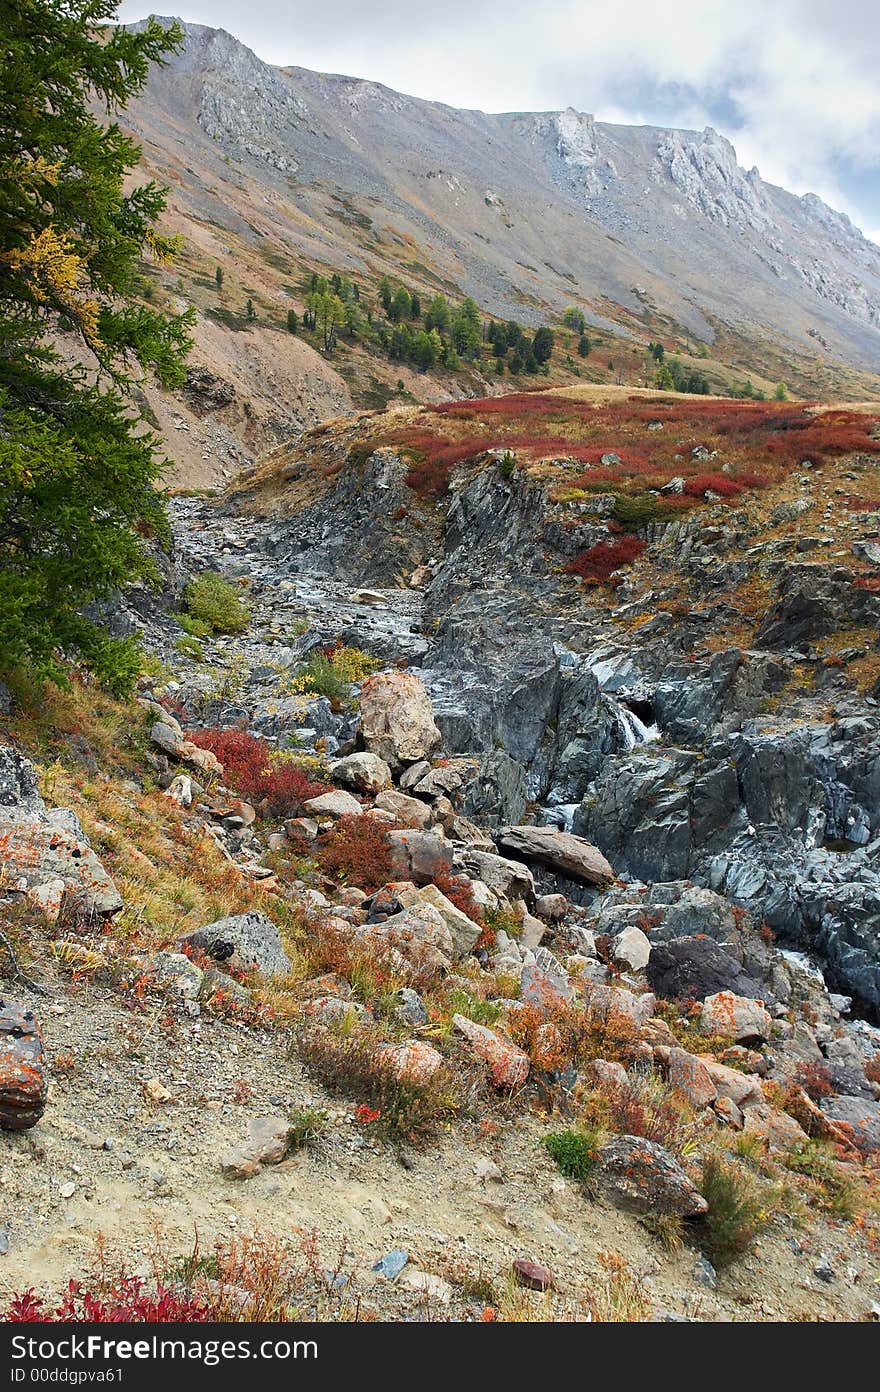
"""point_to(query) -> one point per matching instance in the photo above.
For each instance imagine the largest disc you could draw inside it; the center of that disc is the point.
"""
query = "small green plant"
(575, 1151)
(190, 647)
(153, 666)
(395, 1108)
(215, 604)
(735, 1212)
(507, 465)
(833, 1189)
(306, 1125)
(333, 673)
(461, 1002)
(637, 511)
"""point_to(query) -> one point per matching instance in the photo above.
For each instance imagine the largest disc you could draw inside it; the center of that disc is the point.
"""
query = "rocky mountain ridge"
(611, 207)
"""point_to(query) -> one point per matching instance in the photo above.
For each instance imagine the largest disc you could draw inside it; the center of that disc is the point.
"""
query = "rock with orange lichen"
(737, 1017)
(508, 1065)
(640, 1175)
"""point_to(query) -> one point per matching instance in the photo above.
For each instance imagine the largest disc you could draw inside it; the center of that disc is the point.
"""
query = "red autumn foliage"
(774, 435)
(605, 557)
(128, 1303)
(459, 892)
(358, 851)
(722, 484)
(248, 770)
(815, 1079)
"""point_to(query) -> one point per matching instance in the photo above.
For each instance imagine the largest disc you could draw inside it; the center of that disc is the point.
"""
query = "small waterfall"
(634, 730)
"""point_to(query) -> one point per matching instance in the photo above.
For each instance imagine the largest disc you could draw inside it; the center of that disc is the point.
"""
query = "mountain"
(275, 173)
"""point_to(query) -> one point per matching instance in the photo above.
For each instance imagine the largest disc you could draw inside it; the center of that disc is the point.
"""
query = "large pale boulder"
(738, 1017)
(337, 803)
(508, 1065)
(51, 863)
(690, 1076)
(568, 855)
(417, 937)
(407, 811)
(419, 856)
(397, 719)
(365, 772)
(250, 941)
(509, 878)
(463, 929)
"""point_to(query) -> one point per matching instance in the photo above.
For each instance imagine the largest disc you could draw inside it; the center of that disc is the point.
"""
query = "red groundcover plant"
(255, 776)
(128, 1303)
(605, 557)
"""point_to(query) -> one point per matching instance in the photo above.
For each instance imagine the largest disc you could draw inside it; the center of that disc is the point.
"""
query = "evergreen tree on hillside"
(438, 315)
(78, 467)
(542, 345)
(466, 331)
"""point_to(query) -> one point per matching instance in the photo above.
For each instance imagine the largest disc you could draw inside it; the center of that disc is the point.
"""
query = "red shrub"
(248, 769)
(722, 484)
(815, 1079)
(357, 850)
(605, 557)
(128, 1303)
(459, 892)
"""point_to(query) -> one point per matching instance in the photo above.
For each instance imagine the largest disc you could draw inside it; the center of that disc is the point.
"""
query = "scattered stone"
(23, 1082)
(690, 1076)
(547, 988)
(413, 1060)
(407, 811)
(532, 1275)
(249, 941)
(508, 1065)
(778, 1129)
(644, 1177)
(553, 907)
(609, 1072)
(486, 1169)
(177, 974)
(426, 1284)
(365, 772)
(419, 934)
(412, 1009)
(337, 803)
(737, 1016)
(568, 855)
(509, 878)
(67, 1189)
(420, 856)
(156, 1092)
(632, 949)
(463, 930)
(391, 1265)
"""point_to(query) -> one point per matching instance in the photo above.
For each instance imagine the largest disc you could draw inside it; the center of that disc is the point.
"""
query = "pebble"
(391, 1265)
(532, 1275)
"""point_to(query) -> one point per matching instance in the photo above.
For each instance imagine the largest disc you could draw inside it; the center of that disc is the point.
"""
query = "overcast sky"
(795, 84)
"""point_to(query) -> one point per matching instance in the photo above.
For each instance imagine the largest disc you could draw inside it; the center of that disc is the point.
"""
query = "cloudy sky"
(795, 84)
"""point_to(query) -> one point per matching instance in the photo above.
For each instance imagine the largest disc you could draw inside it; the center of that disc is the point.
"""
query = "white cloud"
(793, 82)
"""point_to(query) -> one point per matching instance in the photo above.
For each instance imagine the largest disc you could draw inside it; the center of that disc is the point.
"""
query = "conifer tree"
(78, 464)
